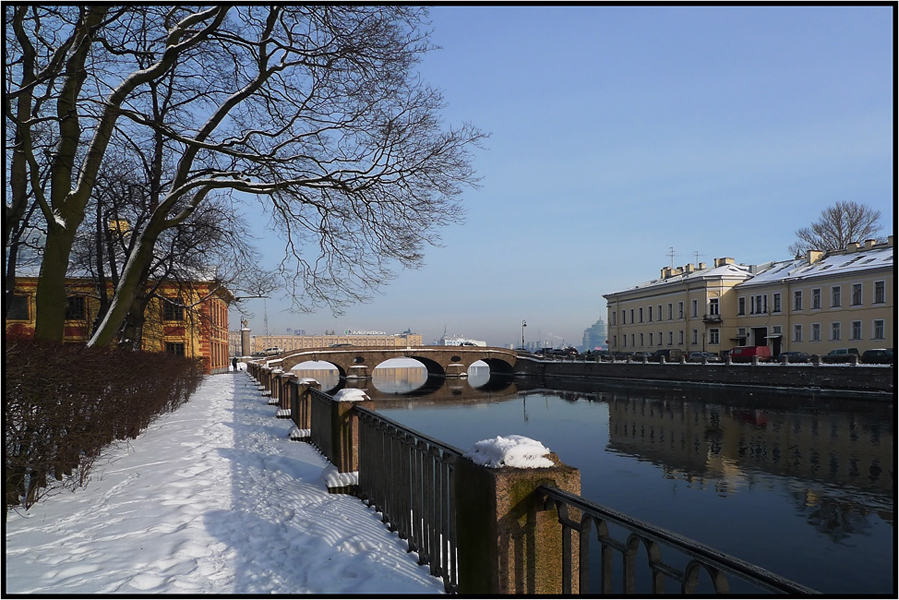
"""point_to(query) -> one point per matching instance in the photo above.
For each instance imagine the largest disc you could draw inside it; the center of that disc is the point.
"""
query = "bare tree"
(316, 111)
(837, 226)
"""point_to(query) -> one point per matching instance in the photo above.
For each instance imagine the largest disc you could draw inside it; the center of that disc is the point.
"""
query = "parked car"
(879, 356)
(793, 357)
(696, 357)
(744, 354)
(670, 355)
(840, 355)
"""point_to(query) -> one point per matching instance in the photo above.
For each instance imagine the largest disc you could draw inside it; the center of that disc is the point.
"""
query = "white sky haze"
(620, 132)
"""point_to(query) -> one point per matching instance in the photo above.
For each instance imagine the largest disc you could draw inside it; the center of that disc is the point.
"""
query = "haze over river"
(802, 486)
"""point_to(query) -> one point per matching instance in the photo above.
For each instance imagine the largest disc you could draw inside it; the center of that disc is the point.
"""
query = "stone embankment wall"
(855, 380)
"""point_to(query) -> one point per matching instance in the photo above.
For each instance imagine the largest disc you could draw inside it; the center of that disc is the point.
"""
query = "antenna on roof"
(671, 255)
(696, 256)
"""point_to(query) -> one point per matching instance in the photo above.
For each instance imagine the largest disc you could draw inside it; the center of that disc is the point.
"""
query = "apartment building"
(260, 343)
(687, 307)
(810, 304)
(188, 319)
(821, 301)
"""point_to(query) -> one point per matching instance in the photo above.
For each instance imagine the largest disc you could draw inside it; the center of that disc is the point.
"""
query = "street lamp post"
(523, 325)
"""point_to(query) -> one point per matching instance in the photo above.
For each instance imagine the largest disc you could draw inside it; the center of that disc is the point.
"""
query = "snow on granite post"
(300, 407)
(507, 543)
(283, 385)
(342, 477)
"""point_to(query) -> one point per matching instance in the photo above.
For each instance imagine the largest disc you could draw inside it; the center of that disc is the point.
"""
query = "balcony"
(712, 319)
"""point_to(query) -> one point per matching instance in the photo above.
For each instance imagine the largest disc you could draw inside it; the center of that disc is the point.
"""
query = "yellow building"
(686, 308)
(812, 304)
(261, 343)
(189, 320)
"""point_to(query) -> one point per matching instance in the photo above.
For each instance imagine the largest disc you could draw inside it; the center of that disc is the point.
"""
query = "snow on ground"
(211, 499)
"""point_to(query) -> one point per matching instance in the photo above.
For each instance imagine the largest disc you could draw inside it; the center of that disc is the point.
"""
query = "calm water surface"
(802, 486)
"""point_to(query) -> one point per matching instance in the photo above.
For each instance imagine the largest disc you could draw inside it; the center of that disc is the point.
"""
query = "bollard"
(345, 439)
(511, 545)
(300, 407)
(284, 380)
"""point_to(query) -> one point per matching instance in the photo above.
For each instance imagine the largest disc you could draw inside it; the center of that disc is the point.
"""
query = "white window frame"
(880, 292)
(816, 332)
(855, 330)
(856, 294)
(816, 299)
(797, 333)
(836, 331)
(714, 336)
(878, 329)
(797, 300)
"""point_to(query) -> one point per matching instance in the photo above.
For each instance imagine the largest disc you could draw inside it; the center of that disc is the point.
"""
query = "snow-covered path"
(211, 499)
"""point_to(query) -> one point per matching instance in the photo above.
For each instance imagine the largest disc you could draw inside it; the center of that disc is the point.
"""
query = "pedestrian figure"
(234, 363)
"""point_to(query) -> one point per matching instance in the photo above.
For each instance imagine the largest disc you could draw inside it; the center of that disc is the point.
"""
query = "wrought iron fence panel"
(579, 516)
(320, 419)
(408, 477)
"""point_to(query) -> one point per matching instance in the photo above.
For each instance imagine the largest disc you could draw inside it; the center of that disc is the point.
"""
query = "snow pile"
(334, 479)
(309, 380)
(299, 434)
(351, 395)
(510, 451)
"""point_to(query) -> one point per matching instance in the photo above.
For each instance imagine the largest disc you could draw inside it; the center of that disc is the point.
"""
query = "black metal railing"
(320, 421)
(409, 478)
(579, 516)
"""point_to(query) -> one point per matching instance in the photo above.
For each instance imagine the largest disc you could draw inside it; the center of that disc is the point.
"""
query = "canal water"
(799, 485)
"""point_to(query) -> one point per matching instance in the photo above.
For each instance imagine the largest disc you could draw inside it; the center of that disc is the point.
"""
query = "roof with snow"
(725, 271)
(833, 264)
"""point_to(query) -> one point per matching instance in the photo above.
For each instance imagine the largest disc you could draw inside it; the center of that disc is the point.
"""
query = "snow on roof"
(832, 264)
(728, 271)
(351, 395)
(510, 451)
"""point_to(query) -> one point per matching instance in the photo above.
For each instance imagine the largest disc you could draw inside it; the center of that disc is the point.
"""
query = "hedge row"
(64, 403)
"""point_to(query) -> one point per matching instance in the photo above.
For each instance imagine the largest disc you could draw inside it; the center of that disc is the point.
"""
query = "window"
(670, 338)
(878, 329)
(714, 336)
(641, 314)
(650, 339)
(680, 337)
(614, 341)
(694, 308)
(713, 306)
(172, 312)
(660, 312)
(879, 292)
(816, 332)
(75, 308)
(650, 314)
(856, 330)
(18, 308)
(632, 316)
(660, 338)
(761, 303)
(835, 296)
(797, 300)
(624, 317)
(741, 306)
(776, 302)
(835, 331)
(642, 341)
(670, 312)
(176, 348)
(632, 340)
(613, 315)
(624, 341)
(695, 337)
(680, 310)
(797, 333)
(856, 294)
(816, 298)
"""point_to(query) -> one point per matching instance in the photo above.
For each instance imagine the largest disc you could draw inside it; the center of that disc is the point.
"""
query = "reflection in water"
(803, 486)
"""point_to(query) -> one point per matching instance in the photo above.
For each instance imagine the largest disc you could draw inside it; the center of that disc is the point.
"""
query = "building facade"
(187, 320)
(283, 343)
(596, 336)
(686, 308)
(811, 304)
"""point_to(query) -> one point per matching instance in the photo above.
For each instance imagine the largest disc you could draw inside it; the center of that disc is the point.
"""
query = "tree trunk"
(50, 301)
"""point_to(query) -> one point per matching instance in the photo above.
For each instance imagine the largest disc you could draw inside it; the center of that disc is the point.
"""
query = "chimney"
(679, 271)
(688, 268)
(852, 247)
(869, 243)
(813, 256)
(701, 266)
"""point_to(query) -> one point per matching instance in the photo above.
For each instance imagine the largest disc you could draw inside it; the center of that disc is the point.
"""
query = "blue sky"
(620, 132)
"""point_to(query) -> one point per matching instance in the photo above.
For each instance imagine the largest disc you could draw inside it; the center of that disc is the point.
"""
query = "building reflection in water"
(850, 458)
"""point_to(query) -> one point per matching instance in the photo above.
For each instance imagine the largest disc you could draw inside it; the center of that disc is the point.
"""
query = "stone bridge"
(357, 362)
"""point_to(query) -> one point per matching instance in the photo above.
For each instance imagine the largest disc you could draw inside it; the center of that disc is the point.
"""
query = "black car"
(879, 356)
(793, 357)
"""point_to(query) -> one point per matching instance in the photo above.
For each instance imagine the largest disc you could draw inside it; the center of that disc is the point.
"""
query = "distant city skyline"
(625, 139)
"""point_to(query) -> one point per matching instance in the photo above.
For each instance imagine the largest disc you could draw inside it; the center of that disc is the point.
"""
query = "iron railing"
(578, 515)
(320, 421)
(409, 478)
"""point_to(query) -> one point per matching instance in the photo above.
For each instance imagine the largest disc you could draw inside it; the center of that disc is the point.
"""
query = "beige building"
(811, 304)
(261, 343)
(688, 308)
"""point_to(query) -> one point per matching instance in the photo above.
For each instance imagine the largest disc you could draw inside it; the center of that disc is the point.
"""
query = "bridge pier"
(456, 370)
(358, 372)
